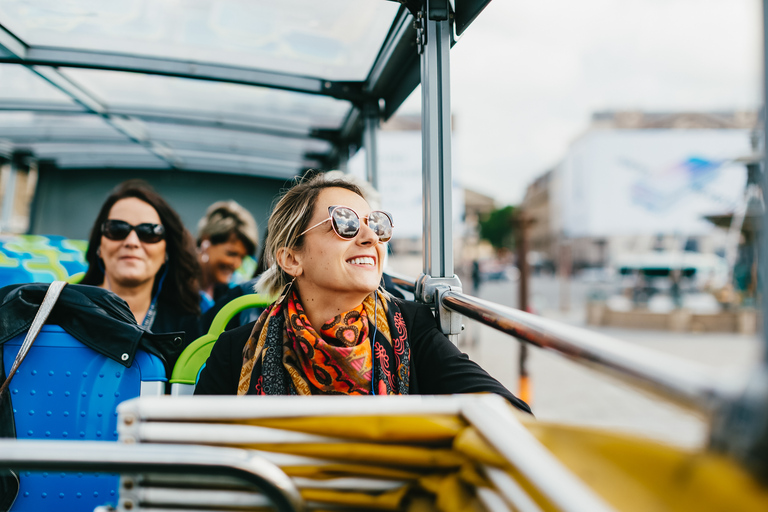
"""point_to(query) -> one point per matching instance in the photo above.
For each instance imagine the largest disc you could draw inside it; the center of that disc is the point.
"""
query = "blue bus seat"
(41, 259)
(65, 390)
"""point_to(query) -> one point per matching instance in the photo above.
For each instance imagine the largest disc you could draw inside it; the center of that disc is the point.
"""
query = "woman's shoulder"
(238, 334)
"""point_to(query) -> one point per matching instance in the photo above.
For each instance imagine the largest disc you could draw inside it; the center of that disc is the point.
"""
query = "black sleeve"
(221, 374)
(441, 368)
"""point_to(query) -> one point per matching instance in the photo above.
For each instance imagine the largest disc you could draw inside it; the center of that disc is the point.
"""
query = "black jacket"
(437, 366)
(96, 317)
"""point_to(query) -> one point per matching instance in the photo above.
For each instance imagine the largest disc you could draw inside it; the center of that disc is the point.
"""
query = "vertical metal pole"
(564, 269)
(524, 384)
(371, 127)
(436, 144)
(434, 43)
(763, 244)
(8, 197)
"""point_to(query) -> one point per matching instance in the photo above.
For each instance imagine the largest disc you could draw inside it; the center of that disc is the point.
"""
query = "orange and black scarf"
(286, 355)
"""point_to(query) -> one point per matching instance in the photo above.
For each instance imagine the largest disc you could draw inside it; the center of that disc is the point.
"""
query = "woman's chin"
(130, 280)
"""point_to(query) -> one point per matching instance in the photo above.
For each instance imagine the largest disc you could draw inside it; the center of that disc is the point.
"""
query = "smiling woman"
(226, 234)
(140, 250)
(333, 329)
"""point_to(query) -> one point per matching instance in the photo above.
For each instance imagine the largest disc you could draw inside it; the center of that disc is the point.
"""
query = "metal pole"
(370, 129)
(564, 270)
(524, 384)
(763, 243)
(8, 197)
(434, 43)
(436, 143)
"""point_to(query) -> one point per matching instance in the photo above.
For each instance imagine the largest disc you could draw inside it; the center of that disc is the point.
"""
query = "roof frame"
(191, 119)
(28, 55)
(394, 75)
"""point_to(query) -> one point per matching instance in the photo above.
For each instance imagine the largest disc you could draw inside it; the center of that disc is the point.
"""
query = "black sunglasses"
(346, 223)
(119, 230)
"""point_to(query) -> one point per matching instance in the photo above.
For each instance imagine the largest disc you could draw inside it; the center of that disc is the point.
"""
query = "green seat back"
(191, 361)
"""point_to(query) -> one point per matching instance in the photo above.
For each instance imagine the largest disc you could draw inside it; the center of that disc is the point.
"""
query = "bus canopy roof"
(257, 87)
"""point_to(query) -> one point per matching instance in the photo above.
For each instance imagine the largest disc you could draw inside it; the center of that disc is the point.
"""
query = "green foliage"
(499, 228)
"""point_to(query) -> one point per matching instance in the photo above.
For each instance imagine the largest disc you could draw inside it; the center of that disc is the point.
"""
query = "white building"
(642, 182)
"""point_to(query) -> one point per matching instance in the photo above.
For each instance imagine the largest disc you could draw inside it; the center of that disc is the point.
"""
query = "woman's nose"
(366, 236)
(132, 239)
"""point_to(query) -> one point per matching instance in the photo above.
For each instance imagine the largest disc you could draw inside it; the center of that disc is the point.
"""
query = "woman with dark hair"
(334, 330)
(140, 250)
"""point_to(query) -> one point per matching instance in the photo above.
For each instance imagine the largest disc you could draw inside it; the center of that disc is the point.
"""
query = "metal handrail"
(692, 385)
(172, 459)
(687, 383)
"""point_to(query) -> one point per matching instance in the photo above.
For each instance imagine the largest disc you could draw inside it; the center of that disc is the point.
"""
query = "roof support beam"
(395, 73)
(178, 119)
(20, 54)
(12, 45)
(370, 131)
(88, 59)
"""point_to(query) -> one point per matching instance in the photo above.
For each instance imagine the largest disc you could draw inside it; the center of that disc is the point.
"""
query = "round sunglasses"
(119, 230)
(346, 223)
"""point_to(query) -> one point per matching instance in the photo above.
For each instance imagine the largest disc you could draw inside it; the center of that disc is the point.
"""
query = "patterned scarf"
(286, 355)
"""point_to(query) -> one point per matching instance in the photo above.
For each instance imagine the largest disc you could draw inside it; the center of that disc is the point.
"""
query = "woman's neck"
(137, 297)
(207, 282)
(320, 308)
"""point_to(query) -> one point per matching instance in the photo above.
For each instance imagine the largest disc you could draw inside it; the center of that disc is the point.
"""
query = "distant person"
(333, 330)
(476, 277)
(225, 235)
(140, 250)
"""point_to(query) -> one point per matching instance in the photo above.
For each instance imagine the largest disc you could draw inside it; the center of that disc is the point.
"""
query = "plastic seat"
(65, 390)
(41, 259)
(192, 360)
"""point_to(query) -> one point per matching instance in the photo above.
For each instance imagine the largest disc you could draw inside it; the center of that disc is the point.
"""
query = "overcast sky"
(527, 75)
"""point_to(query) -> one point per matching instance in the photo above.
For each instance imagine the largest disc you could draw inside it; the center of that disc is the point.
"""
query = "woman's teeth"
(363, 260)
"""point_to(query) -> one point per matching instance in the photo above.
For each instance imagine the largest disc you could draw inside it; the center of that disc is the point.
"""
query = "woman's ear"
(289, 261)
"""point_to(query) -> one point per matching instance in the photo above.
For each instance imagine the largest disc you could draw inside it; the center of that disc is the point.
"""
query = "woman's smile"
(365, 261)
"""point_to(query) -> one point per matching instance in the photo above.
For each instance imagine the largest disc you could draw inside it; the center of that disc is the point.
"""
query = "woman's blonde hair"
(290, 217)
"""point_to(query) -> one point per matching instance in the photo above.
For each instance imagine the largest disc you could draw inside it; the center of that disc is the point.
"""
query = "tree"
(498, 228)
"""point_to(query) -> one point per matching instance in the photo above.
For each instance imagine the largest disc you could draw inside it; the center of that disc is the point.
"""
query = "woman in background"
(226, 234)
(140, 250)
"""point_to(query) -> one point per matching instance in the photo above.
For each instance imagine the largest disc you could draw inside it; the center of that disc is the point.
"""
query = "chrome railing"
(690, 384)
(684, 382)
(90, 456)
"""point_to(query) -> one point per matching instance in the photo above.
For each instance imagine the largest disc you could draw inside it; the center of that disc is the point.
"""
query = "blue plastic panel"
(65, 390)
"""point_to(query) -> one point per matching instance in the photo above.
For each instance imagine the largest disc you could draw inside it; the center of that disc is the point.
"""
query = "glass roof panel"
(240, 164)
(21, 84)
(82, 156)
(148, 93)
(23, 127)
(332, 39)
(233, 142)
